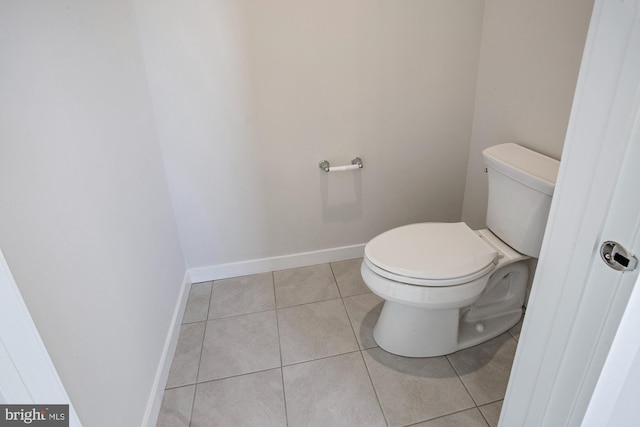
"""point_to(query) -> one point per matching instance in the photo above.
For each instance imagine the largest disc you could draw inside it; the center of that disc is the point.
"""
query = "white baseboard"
(263, 265)
(157, 391)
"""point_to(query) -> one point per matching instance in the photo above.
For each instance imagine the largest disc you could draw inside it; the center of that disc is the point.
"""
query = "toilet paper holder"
(355, 164)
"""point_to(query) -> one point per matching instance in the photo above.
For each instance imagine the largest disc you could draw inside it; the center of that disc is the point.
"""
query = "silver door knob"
(617, 257)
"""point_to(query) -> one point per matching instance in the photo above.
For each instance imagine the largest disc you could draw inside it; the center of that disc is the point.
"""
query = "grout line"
(242, 314)
(179, 386)
(238, 375)
(284, 392)
(460, 379)
(351, 324)
(484, 417)
(367, 292)
(284, 398)
(204, 334)
(305, 303)
(210, 298)
(193, 403)
(195, 321)
(366, 367)
(186, 308)
(493, 401)
(353, 331)
(335, 280)
(520, 331)
(319, 358)
(446, 415)
(490, 403)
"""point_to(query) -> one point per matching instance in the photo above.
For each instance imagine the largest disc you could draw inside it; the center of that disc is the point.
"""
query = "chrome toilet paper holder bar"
(355, 164)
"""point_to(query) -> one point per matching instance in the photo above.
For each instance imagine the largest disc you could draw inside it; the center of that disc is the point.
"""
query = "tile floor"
(295, 348)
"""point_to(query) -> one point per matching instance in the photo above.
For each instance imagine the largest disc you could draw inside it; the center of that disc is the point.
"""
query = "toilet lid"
(431, 251)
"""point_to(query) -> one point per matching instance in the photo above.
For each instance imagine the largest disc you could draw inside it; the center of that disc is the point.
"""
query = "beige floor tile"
(239, 345)
(235, 358)
(484, 369)
(515, 331)
(363, 311)
(242, 295)
(348, 277)
(315, 330)
(304, 285)
(197, 303)
(469, 418)
(176, 407)
(491, 412)
(335, 391)
(412, 390)
(248, 400)
(184, 368)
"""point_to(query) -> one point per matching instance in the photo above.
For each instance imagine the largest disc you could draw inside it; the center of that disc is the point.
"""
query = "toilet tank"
(521, 184)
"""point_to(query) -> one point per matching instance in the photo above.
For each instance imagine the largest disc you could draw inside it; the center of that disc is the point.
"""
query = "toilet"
(447, 287)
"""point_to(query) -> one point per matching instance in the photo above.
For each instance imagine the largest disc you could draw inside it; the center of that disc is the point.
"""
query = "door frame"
(28, 375)
(603, 118)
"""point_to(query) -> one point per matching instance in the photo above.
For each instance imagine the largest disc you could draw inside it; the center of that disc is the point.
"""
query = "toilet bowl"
(447, 287)
(470, 287)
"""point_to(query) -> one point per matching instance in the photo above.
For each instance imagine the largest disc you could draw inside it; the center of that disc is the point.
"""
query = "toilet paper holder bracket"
(355, 164)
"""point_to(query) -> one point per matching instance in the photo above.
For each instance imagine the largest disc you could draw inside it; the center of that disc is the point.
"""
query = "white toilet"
(447, 287)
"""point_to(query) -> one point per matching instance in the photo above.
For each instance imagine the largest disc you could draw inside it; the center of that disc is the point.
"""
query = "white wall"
(527, 74)
(86, 223)
(250, 96)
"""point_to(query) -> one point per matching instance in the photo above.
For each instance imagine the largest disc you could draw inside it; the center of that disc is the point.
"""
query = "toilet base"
(474, 333)
(414, 332)
(411, 331)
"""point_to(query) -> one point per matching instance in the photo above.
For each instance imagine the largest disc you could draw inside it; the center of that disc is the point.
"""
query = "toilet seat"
(431, 254)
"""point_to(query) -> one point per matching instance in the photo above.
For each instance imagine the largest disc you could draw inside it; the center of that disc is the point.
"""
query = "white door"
(615, 398)
(27, 375)
(577, 301)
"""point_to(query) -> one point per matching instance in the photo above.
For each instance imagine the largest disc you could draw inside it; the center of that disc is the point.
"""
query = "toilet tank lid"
(432, 251)
(523, 165)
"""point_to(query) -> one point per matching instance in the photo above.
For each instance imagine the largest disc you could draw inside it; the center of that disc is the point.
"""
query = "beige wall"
(528, 68)
(86, 223)
(250, 95)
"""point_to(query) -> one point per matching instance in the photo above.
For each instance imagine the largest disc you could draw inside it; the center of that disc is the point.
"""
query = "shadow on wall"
(341, 195)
